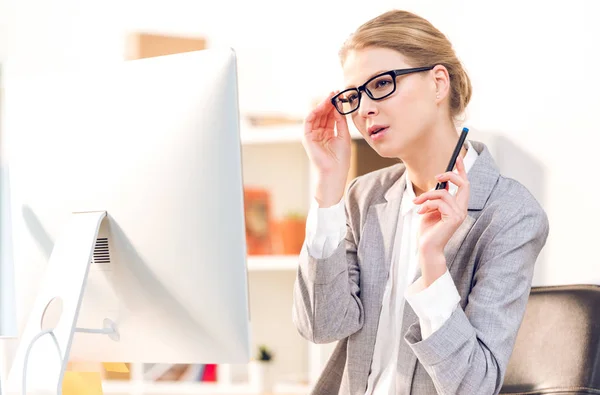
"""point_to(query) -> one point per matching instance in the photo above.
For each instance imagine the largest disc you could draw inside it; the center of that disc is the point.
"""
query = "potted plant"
(261, 369)
(292, 232)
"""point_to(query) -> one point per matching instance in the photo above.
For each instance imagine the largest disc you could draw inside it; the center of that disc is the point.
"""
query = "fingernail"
(439, 176)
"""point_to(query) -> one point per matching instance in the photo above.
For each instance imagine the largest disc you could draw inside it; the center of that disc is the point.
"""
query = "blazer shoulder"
(512, 201)
(370, 188)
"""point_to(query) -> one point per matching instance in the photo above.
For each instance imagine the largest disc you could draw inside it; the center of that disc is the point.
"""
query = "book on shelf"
(180, 372)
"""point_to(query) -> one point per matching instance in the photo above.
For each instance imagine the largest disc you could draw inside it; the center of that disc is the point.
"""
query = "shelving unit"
(170, 388)
(224, 386)
(278, 134)
(127, 388)
(272, 263)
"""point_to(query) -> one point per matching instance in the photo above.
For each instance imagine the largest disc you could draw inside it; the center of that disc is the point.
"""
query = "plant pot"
(292, 232)
(261, 376)
(259, 224)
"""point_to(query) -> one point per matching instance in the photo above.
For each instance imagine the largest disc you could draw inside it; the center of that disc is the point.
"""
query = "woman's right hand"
(328, 152)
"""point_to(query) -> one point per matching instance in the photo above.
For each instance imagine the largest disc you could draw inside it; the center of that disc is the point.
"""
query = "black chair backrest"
(557, 350)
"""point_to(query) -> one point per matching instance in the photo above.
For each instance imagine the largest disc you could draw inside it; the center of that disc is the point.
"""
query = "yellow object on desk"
(118, 367)
(78, 380)
(82, 383)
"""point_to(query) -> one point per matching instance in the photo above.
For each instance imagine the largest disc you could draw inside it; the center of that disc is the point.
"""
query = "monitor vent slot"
(101, 252)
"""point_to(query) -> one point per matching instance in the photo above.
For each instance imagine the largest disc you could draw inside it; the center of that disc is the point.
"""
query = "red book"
(210, 373)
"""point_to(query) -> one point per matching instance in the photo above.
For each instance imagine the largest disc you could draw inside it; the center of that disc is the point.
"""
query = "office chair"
(557, 350)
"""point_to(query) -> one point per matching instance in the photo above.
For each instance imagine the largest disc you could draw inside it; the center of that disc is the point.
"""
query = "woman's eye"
(348, 99)
(381, 83)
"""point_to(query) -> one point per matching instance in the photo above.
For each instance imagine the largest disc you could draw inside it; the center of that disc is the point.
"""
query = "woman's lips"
(379, 134)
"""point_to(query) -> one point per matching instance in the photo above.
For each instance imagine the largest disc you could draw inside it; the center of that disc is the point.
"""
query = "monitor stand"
(46, 353)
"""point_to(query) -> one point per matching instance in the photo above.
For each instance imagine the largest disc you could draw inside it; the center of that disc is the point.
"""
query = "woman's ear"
(441, 78)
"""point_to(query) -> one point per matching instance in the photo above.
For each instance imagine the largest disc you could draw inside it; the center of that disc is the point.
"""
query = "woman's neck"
(429, 157)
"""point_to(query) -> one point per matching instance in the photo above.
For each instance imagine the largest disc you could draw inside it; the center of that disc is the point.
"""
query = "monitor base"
(43, 353)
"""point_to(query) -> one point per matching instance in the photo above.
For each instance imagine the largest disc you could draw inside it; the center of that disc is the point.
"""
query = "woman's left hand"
(442, 213)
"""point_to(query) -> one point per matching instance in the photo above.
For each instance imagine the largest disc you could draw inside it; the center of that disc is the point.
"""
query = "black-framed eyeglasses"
(377, 88)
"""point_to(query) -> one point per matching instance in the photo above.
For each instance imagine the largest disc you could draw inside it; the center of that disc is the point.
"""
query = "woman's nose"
(368, 107)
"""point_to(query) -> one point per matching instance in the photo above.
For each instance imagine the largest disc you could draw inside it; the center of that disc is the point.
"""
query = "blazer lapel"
(482, 176)
(453, 245)
(408, 362)
(378, 236)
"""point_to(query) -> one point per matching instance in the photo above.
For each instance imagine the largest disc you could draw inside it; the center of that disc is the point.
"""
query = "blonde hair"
(418, 40)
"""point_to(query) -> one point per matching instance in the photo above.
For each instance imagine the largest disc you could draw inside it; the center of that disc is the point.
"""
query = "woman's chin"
(386, 150)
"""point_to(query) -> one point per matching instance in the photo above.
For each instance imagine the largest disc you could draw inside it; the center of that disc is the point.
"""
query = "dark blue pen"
(461, 141)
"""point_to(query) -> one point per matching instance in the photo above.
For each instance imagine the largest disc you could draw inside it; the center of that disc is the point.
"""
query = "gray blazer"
(490, 258)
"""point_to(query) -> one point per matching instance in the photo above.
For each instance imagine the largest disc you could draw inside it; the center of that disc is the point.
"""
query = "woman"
(425, 290)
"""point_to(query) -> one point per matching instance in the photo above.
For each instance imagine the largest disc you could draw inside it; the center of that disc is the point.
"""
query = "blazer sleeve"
(470, 352)
(327, 306)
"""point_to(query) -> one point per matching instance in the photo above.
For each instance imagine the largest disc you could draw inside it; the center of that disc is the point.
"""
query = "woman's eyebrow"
(366, 79)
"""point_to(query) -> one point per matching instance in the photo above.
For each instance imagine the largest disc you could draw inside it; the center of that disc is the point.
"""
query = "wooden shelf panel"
(272, 263)
(278, 134)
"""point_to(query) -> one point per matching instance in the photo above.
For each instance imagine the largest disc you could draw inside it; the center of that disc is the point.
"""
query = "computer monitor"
(8, 327)
(154, 143)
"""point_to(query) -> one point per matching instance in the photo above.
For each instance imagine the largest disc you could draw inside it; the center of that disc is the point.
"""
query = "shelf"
(296, 389)
(116, 387)
(271, 134)
(278, 134)
(272, 263)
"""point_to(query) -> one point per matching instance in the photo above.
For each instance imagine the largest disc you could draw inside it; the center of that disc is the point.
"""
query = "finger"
(442, 194)
(461, 180)
(460, 166)
(341, 124)
(436, 205)
(462, 195)
(460, 161)
(324, 104)
(313, 120)
(326, 113)
(457, 179)
(331, 117)
(309, 123)
(328, 119)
